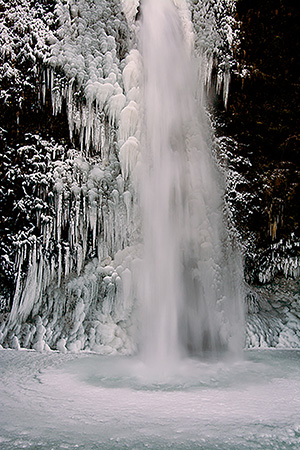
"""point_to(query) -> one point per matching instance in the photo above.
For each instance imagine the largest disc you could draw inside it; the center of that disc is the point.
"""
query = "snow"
(87, 402)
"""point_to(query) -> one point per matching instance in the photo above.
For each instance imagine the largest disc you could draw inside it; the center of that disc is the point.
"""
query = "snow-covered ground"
(87, 401)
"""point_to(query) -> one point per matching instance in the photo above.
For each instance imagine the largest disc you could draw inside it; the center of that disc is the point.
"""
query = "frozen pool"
(54, 401)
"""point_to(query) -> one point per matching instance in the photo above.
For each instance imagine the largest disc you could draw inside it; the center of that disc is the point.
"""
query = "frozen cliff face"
(82, 212)
(76, 258)
(274, 315)
(73, 266)
(216, 35)
(77, 249)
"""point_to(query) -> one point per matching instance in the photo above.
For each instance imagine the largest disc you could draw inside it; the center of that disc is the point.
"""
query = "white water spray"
(191, 296)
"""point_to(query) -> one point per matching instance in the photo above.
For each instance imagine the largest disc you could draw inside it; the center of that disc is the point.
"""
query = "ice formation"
(77, 291)
(78, 279)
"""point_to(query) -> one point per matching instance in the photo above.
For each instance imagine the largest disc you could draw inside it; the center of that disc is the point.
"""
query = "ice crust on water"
(86, 401)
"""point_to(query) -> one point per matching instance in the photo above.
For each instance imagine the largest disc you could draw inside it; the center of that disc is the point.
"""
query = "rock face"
(262, 115)
(70, 144)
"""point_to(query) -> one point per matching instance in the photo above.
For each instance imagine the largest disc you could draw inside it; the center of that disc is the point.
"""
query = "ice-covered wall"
(85, 217)
(73, 275)
(74, 270)
(273, 318)
(216, 35)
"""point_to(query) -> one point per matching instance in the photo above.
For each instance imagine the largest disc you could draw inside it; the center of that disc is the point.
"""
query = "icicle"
(120, 183)
(39, 344)
(115, 106)
(129, 119)
(33, 288)
(128, 156)
(44, 87)
(59, 216)
(226, 82)
(127, 292)
(93, 216)
(59, 272)
(79, 258)
(15, 343)
(67, 260)
(61, 345)
(131, 73)
(127, 201)
(17, 295)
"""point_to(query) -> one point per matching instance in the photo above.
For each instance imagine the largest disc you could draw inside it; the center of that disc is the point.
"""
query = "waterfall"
(192, 299)
(134, 98)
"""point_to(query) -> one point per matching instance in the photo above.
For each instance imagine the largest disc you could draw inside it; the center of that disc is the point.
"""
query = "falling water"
(83, 279)
(192, 274)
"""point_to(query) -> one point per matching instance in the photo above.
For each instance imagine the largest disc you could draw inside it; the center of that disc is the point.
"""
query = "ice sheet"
(87, 401)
